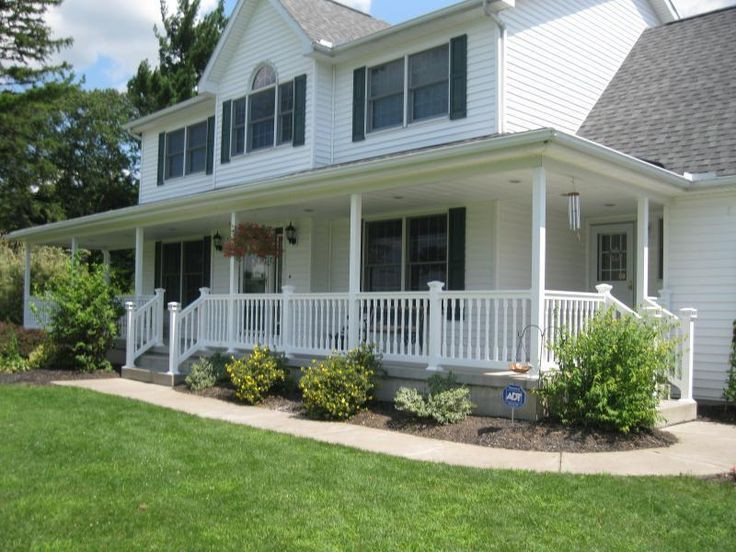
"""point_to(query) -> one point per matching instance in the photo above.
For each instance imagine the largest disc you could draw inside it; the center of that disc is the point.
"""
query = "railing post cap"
(159, 291)
(689, 312)
(287, 289)
(174, 306)
(129, 305)
(435, 285)
(604, 289)
(204, 291)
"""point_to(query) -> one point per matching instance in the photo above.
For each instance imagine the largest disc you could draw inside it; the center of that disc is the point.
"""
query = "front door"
(612, 259)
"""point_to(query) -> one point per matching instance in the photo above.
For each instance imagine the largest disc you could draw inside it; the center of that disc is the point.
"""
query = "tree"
(185, 46)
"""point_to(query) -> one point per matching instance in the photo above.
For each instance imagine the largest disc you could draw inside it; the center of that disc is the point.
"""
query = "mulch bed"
(475, 430)
(45, 377)
(717, 413)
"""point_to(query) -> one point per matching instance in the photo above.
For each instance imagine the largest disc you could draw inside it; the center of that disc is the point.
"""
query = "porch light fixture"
(217, 241)
(290, 232)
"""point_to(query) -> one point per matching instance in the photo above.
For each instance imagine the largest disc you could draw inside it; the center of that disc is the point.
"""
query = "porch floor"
(704, 448)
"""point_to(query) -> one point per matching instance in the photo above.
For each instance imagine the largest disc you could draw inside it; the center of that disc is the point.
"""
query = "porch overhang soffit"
(549, 148)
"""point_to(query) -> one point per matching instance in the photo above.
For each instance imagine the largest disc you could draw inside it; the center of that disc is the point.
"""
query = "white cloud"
(694, 7)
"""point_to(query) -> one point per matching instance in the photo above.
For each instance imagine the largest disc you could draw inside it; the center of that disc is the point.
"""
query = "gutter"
(500, 65)
(202, 98)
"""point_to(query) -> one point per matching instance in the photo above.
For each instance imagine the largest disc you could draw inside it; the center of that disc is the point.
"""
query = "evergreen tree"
(185, 46)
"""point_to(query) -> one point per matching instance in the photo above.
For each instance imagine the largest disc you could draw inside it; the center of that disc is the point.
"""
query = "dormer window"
(265, 76)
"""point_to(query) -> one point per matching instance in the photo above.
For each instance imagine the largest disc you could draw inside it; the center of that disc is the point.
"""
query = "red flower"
(251, 239)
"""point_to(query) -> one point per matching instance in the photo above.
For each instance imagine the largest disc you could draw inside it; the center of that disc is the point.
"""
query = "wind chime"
(573, 210)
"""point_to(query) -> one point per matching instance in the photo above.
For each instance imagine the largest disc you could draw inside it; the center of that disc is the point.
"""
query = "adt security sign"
(514, 396)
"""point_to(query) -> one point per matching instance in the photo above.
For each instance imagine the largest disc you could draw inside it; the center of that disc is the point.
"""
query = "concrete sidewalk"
(703, 448)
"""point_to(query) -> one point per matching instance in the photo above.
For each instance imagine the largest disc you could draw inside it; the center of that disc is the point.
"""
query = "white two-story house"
(428, 184)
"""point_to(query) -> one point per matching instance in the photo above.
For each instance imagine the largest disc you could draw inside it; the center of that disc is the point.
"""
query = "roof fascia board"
(206, 83)
(181, 106)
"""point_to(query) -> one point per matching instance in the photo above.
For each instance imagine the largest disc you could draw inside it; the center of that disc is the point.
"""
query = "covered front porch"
(458, 262)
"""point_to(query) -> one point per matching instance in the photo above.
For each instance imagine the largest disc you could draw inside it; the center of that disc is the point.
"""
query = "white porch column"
(27, 284)
(75, 247)
(138, 261)
(642, 250)
(539, 264)
(356, 227)
(233, 289)
(106, 264)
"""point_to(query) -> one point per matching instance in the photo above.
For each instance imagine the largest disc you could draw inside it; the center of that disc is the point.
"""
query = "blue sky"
(111, 37)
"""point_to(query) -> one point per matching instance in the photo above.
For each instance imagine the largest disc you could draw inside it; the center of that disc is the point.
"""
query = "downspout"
(500, 66)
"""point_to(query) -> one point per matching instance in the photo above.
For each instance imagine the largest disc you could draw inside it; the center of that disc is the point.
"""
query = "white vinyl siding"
(561, 55)
(702, 274)
(481, 100)
(266, 38)
(174, 187)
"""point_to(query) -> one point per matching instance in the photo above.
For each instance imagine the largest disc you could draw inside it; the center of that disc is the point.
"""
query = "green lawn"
(79, 470)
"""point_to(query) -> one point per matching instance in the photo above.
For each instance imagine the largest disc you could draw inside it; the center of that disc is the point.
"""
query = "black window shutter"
(161, 158)
(225, 141)
(210, 145)
(157, 266)
(206, 261)
(456, 250)
(300, 109)
(359, 104)
(458, 77)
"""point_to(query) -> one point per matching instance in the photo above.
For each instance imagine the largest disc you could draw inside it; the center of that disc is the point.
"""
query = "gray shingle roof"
(673, 101)
(332, 21)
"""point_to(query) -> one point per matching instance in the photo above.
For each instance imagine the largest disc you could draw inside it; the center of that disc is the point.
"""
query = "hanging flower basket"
(251, 239)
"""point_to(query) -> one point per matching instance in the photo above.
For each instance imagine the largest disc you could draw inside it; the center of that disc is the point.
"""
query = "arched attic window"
(265, 76)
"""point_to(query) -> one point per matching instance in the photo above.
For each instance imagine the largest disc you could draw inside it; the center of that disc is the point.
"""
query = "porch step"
(677, 412)
(153, 367)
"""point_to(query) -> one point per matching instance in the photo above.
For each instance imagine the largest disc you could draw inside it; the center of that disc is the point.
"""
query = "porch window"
(175, 153)
(392, 263)
(427, 251)
(429, 77)
(261, 113)
(386, 95)
(286, 113)
(196, 147)
(238, 139)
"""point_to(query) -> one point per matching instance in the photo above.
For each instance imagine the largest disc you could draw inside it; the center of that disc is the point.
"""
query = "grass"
(83, 471)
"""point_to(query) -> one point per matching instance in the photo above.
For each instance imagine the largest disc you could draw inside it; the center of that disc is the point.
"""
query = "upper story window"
(186, 151)
(196, 148)
(175, 153)
(270, 115)
(416, 87)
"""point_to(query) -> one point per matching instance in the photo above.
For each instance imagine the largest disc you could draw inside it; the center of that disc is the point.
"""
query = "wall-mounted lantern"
(290, 232)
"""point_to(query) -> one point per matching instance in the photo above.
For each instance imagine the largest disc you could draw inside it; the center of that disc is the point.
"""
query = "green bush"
(339, 386)
(82, 317)
(257, 375)
(11, 361)
(609, 374)
(207, 372)
(46, 262)
(446, 403)
(729, 391)
(25, 340)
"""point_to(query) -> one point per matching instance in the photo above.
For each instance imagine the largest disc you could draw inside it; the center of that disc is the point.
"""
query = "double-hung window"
(175, 153)
(386, 95)
(261, 112)
(429, 83)
(405, 253)
(196, 148)
(238, 139)
(286, 113)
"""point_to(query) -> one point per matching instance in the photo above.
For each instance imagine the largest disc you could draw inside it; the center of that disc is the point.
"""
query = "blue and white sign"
(514, 396)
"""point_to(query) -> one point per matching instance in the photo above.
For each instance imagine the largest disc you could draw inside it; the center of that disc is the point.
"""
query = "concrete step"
(151, 376)
(677, 412)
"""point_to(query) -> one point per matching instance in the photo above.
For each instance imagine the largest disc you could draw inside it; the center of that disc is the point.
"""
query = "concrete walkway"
(703, 448)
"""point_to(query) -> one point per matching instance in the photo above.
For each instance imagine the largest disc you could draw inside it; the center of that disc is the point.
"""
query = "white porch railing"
(36, 313)
(138, 301)
(144, 326)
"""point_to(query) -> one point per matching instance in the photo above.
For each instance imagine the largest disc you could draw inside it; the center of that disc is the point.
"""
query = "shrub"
(45, 263)
(11, 361)
(729, 391)
(609, 374)
(207, 372)
(447, 402)
(257, 375)
(339, 386)
(25, 340)
(42, 357)
(83, 317)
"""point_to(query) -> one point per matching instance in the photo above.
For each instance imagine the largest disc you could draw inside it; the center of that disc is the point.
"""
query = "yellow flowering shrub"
(257, 375)
(339, 386)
